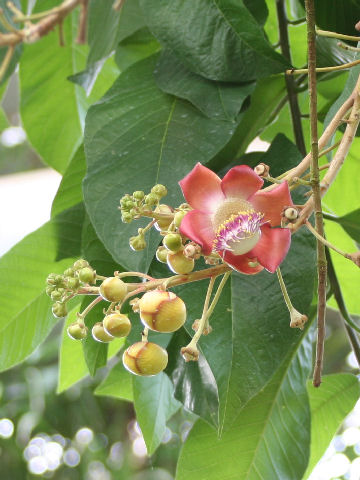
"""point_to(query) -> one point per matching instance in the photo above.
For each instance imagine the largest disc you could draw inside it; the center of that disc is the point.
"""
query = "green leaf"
(261, 334)
(329, 405)
(4, 50)
(135, 137)
(108, 27)
(189, 28)
(258, 9)
(25, 309)
(136, 47)
(281, 148)
(154, 405)
(214, 99)
(350, 223)
(48, 99)
(340, 16)
(69, 192)
(269, 438)
(3, 120)
(117, 384)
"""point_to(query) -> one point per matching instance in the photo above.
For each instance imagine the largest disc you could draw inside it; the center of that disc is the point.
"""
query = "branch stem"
(340, 36)
(344, 66)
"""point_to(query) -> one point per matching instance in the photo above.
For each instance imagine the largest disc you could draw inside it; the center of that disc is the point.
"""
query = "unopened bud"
(192, 250)
(59, 310)
(178, 218)
(162, 311)
(126, 217)
(178, 263)
(262, 170)
(77, 331)
(291, 214)
(297, 319)
(190, 354)
(87, 275)
(152, 199)
(173, 242)
(138, 195)
(137, 243)
(159, 190)
(161, 254)
(99, 333)
(79, 264)
(163, 223)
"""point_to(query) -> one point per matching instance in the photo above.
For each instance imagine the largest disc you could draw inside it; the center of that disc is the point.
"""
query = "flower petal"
(241, 182)
(272, 203)
(272, 247)
(202, 189)
(241, 263)
(198, 227)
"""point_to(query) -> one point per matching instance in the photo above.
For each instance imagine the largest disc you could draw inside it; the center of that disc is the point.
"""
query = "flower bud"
(178, 218)
(59, 310)
(117, 325)
(162, 311)
(192, 250)
(113, 289)
(99, 334)
(56, 295)
(190, 354)
(163, 223)
(161, 254)
(87, 275)
(126, 217)
(69, 272)
(145, 358)
(152, 199)
(173, 242)
(159, 190)
(72, 283)
(178, 263)
(262, 170)
(51, 279)
(138, 195)
(79, 264)
(124, 199)
(137, 243)
(77, 331)
(49, 289)
(291, 214)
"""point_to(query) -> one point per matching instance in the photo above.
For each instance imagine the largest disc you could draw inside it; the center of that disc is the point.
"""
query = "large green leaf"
(215, 99)
(135, 137)
(154, 404)
(350, 223)
(25, 309)
(269, 439)
(117, 384)
(49, 103)
(136, 47)
(329, 406)
(239, 52)
(108, 27)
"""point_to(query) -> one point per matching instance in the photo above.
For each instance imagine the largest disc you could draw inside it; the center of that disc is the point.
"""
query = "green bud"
(56, 295)
(138, 195)
(61, 290)
(50, 289)
(137, 243)
(152, 199)
(59, 310)
(72, 283)
(178, 218)
(77, 331)
(99, 334)
(159, 190)
(51, 279)
(129, 205)
(124, 199)
(69, 272)
(173, 242)
(60, 281)
(87, 275)
(126, 217)
(161, 254)
(79, 264)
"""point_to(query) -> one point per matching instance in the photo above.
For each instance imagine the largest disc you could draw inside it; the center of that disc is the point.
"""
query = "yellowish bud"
(145, 358)
(178, 263)
(117, 325)
(162, 311)
(113, 289)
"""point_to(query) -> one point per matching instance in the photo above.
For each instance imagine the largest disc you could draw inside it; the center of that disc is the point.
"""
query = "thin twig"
(344, 66)
(82, 29)
(326, 242)
(6, 61)
(340, 36)
(348, 47)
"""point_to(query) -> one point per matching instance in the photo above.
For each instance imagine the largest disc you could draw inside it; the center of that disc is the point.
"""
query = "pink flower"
(236, 219)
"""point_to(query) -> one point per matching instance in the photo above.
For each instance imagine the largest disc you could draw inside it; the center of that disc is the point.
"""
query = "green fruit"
(113, 289)
(161, 254)
(87, 275)
(173, 242)
(59, 310)
(77, 331)
(178, 218)
(99, 334)
(145, 359)
(180, 264)
(117, 325)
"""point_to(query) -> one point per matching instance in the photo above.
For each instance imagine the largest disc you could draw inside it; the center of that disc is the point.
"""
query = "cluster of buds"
(61, 287)
(135, 205)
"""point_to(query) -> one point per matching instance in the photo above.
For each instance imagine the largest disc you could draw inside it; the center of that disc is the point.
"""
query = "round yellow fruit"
(117, 325)
(162, 311)
(113, 289)
(145, 359)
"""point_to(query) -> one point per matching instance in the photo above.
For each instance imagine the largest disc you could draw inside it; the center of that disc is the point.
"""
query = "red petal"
(241, 263)
(272, 247)
(202, 189)
(198, 227)
(272, 203)
(241, 181)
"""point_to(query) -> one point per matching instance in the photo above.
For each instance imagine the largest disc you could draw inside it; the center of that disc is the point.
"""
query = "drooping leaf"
(133, 136)
(269, 438)
(329, 406)
(25, 309)
(189, 28)
(136, 47)
(215, 99)
(49, 104)
(154, 404)
(117, 384)
(108, 27)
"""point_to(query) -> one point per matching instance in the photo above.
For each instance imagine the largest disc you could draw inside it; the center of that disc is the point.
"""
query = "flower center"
(240, 232)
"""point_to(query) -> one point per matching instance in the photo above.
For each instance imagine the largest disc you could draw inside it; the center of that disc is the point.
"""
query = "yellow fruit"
(162, 311)
(145, 358)
(77, 331)
(113, 289)
(99, 334)
(117, 325)
(178, 263)
(163, 223)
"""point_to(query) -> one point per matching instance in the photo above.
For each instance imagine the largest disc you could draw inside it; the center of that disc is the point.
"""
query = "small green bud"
(126, 217)
(50, 289)
(56, 295)
(69, 272)
(51, 279)
(152, 199)
(99, 333)
(77, 331)
(163, 223)
(128, 205)
(72, 283)
(87, 275)
(113, 289)
(161, 254)
(59, 310)
(61, 290)
(79, 264)
(60, 281)
(138, 195)
(178, 218)
(137, 243)
(124, 199)
(159, 190)
(173, 242)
